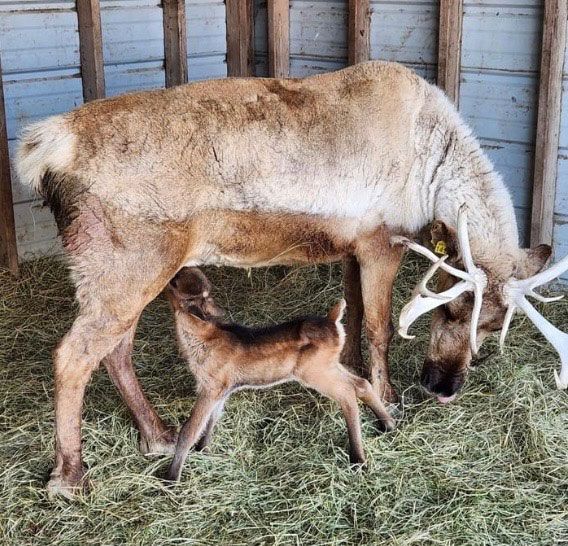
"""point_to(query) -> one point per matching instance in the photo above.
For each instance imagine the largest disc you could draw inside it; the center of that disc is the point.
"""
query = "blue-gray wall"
(499, 80)
(39, 44)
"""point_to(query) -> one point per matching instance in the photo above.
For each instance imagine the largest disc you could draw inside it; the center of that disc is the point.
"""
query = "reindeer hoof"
(163, 445)
(60, 486)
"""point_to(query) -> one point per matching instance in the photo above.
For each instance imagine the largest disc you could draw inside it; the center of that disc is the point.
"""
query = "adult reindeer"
(256, 172)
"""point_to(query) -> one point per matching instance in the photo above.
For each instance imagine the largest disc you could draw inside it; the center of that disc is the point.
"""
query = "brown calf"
(225, 358)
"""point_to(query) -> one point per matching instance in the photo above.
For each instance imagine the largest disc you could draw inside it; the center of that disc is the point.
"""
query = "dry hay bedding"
(489, 469)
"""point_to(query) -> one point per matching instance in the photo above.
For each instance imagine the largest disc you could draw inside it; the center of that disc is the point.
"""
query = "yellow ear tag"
(440, 248)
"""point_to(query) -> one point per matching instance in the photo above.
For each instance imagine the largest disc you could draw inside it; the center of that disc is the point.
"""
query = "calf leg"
(155, 436)
(350, 411)
(335, 384)
(191, 432)
(379, 265)
(369, 397)
(351, 355)
(205, 439)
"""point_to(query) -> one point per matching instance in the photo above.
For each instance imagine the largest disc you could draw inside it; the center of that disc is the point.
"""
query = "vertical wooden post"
(278, 38)
(8, 248)
(548, 121)
(175, 42)
(359, 48)
(240, 35)
(449, 48)
(91, 49)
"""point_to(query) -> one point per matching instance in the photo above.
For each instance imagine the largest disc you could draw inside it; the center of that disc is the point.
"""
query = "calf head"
(190, 291)
(471, 303)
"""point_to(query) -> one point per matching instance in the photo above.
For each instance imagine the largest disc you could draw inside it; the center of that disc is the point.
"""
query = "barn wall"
(39, 43)
(499, 81)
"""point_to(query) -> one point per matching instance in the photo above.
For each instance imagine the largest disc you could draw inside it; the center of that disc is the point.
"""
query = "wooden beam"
(359, 48)
(8, 248)
(175, 42)
(240, 35)
(548, 121)
(91, 49)
(449, 48)
(278, 38)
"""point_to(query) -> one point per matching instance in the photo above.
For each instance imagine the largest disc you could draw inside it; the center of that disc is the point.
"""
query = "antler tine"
(544, 276)
(422, 285)
(398, 240)
(419, 305)
(463, 239)
(475, 314)
(506, 323)
(541, 298)
(557, 338)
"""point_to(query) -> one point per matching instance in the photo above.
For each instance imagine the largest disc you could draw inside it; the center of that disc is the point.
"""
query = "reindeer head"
(471, 303)
(190, 291)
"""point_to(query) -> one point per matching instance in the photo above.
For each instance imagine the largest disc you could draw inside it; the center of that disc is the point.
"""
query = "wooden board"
(8, 248)
(358, 40)
(278, 38)
(239, 38)
(548, 122)
(91, 49)
(449, 47)
(175, 42)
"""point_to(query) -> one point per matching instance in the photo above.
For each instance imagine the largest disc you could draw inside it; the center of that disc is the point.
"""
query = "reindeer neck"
(468, 177)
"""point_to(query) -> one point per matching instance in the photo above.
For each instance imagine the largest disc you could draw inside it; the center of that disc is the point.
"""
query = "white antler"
(515, 292)
(473, 280)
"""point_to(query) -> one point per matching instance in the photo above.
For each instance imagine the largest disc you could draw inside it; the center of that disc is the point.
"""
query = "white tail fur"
(46, 145)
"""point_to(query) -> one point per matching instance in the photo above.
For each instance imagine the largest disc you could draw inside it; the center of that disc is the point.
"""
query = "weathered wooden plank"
(359, 25)
(278, 38)
(8, 248)
(449, 47)
(548, 120)
(240, 38)
(91, 49)
(175, 42)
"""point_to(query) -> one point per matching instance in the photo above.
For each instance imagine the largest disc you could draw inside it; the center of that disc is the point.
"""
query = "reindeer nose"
(441, 382)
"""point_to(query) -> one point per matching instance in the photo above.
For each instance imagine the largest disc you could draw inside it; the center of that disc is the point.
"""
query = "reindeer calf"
(225, 358)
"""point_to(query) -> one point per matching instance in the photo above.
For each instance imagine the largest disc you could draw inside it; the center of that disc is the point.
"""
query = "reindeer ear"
(444, 240)
(532, 261)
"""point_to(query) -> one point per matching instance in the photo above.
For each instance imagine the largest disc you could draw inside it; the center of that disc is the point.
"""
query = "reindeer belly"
(253, 239)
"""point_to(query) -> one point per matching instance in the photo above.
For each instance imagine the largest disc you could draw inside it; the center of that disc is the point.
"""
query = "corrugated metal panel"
(40, 56)
(499, 89)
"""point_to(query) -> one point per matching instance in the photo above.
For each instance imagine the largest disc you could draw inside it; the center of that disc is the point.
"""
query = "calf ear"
(532, 261)
(443, 240)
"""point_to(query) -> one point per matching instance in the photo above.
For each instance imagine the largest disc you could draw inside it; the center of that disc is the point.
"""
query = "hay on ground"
(492, 468)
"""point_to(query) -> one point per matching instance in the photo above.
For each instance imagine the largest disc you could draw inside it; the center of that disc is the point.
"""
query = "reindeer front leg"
(379, 265)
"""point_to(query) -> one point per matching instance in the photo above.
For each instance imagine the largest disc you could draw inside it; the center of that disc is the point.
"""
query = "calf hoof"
(65, 487)
(165, 444)
(356, 460)
(386, 425)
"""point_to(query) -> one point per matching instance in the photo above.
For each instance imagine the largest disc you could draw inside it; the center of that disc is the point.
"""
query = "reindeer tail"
(335, 314)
